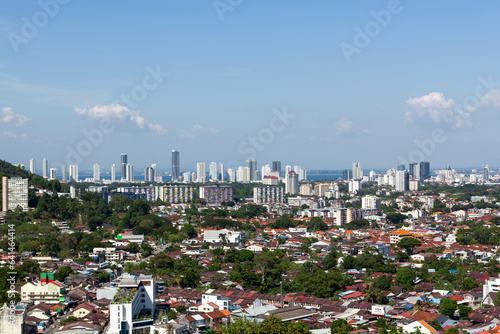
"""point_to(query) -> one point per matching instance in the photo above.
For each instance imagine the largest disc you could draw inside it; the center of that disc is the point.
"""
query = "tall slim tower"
(201, 172)
(65, 172)
(176, 171)
(129, 173)
(222, 172)
(252, 165)
(425, 170)
(73, 173)
(357, 173)
(153, 166)
(97, 172)
(276, 167)
(124, 166)
(45, 165)
(113, 173)
(212, 171)
(33, 166)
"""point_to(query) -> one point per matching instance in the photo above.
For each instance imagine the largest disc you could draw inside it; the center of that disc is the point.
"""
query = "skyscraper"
(129, 173)
(124, 166)
(425, 170)
(276, 167)
(53, 174)
(176, 171)
(73, 173)
(201, 172)
(414, 171)
(113, 173)
(14, 193)
(149, 174)
(486, 173)
(213, 172)
(292, 183)
(252, 165)
(45, 166)
(222, 172)
(347, 175)
(65, 172)
(402, 180)
(97, 172)
(33, 166)
(153, 166)
(357, 173)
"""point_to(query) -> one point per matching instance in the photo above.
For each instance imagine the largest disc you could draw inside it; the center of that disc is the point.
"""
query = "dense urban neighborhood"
(393, 252)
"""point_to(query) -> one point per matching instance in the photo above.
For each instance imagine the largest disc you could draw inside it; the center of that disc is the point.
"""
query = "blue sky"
(233, 66)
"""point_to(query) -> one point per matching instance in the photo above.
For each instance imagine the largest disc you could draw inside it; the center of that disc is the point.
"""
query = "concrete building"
(149, 174)
(53, 174)
(354, 186)
(148, 192)
(292, 183)
(306, 189)
(213, 172)
(276, 167)
(45, 168)
(64, 173)
(371, 202)
(216, 236)
(97, 172)
(176, 170)
(402, 181)
(129, 176)
(33, 166)
(124, 160)
(113, 173)
(270, 180)
(268, 195)
(13, 320)
(14, 193)
(133, 306)
(201, 172)
(175, 193)
(46, 290)
(357, 173)
(73, 173)
(215, 195)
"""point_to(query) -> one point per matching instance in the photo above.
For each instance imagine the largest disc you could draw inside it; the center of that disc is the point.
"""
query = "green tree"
(406, 276)
(180, 308)
(464, 311)
(409, 244)
(382, 283)
(68, 320)
(447, 307)
(469, 283)
(340, 326)
(51, 245)
(62, 273)
(30, 267)
(396, 218)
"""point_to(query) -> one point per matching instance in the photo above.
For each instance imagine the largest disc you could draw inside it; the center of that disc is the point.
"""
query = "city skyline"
(259, 91)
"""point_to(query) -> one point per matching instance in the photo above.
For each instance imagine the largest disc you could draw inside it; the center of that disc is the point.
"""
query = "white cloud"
(439, 110)
(117, 111)
(13, 135)
(433, 105)
(342, 125)
(157, 128)
(197, 130)
(9, 116)
(491, 99)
